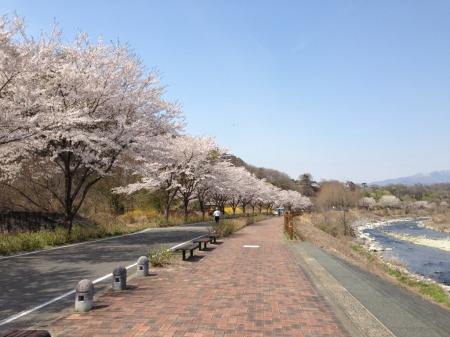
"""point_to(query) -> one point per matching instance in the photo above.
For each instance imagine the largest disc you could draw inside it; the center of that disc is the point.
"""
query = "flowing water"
(429, 262)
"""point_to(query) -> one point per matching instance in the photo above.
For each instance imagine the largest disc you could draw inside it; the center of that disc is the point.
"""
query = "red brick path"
(229, 290)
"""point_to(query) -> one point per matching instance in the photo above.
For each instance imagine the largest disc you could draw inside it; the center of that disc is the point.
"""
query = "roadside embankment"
(364, 253)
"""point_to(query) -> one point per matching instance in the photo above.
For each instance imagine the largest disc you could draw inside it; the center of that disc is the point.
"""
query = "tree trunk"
(68, 222)
(170, 195)
(186, 202)
(166, 215)
(167, 208)
(202, 207)
(68, 218)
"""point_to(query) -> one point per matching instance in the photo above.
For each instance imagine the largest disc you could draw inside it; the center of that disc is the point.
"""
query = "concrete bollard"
(84, 295)
(142, 266)
(120, 278)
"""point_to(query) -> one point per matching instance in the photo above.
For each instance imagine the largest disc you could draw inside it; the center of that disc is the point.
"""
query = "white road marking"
(26, 312)
(250, 246)
(190, 241)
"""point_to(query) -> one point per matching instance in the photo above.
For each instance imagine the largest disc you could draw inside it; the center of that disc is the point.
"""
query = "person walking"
(216, 215)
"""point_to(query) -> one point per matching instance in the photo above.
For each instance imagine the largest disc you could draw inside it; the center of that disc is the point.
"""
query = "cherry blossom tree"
(234, 186)
(389, 201)
(250, 191)
(223, 185)
(23, 60)
(99, 105)
(202, 193)
(270, 199)
(240, 187)
(422, 204)
(293, 200)
(12, 67)
(209, 189)
(199, 154)
(266, 197)
(177, 167)
(366, 202)
(302, 203)
(263, 191)
(234, 200)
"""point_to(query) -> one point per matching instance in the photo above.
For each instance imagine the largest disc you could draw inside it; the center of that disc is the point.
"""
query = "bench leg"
(192, 252)
(184, 254)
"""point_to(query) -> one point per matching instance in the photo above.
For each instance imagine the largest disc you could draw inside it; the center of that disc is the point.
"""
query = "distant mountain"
(436, 177)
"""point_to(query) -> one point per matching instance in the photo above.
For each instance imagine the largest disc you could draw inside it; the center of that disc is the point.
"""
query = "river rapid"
(412, 245)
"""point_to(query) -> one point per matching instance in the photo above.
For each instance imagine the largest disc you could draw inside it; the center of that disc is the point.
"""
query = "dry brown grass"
(309, 227)
(439, 221)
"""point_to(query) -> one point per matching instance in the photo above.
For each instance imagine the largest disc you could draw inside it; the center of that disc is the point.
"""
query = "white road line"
(250, 246)
(23, 313)
(190, 241)
(26, 312)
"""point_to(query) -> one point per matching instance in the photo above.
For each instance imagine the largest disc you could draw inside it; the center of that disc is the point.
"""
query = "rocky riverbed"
(344, 247)
(439, 243)
(409, 244)
(361, 230)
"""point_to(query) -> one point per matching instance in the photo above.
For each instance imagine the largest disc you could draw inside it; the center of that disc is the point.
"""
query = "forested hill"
(275, 177)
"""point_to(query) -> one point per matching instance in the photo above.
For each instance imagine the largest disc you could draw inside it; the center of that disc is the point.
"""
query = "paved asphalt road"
(29, 280)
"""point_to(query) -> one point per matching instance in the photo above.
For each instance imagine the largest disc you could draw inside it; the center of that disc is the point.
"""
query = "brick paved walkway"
(230, 290)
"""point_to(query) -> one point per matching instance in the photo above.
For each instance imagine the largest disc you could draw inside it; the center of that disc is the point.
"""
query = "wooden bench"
(185, 247)
(213, 237)
(203, 239)
(27, 333)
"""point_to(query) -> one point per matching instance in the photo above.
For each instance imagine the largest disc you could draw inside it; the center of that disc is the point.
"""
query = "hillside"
(275, 177)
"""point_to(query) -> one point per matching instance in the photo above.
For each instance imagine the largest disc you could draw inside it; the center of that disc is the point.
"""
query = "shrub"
(159, 257)
(223, 228)
(227, 227)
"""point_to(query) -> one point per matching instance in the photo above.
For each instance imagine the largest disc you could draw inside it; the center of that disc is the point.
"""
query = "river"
(429, 262)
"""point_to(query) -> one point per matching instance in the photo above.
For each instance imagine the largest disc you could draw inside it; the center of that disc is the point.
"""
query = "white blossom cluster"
(70, 113)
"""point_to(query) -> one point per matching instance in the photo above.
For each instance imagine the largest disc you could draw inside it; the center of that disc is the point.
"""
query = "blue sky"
(346, 90)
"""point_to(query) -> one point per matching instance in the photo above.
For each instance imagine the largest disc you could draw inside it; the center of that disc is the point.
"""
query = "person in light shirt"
(216, 215)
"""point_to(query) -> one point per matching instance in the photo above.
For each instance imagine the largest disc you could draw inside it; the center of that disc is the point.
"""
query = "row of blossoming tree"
(391, 201)
(195, 168)
(71, 113)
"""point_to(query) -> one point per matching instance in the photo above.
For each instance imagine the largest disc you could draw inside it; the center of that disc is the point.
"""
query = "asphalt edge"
(354, 316)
